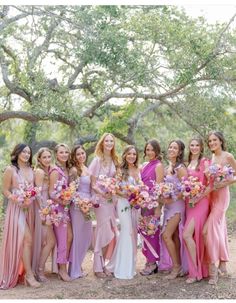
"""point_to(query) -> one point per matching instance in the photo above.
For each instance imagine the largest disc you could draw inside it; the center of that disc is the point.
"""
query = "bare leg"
(27, 258)
(191, 245)
(69, 238)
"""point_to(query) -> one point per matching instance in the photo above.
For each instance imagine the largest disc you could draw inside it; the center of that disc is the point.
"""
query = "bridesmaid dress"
(82, 231)
(11, 265)
(198, 214)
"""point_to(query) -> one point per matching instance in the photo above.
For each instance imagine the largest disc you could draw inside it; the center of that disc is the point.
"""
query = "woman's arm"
(39, 178)
(6, 184)
(53, 178)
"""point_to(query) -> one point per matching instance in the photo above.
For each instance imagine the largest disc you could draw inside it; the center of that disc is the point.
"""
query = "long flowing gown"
(198, 214)
(151, 245)
(82, 231)
(61, 230)
(176, 207)
(11, 264)
(217, 238)
(106, 229)
(123, 261)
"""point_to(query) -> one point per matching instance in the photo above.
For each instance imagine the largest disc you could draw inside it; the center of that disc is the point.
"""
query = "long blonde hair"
(39, 154)
(99, 149)
(66, 147)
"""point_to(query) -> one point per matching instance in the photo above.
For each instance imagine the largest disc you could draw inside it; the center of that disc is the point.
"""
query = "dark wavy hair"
(180, 157)
(156, 147)
(124, 167)
(220, 136)
(200, 142)
(73, 161)
(16, 152)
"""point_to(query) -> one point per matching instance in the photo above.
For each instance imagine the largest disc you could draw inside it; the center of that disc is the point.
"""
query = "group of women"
(189, 240)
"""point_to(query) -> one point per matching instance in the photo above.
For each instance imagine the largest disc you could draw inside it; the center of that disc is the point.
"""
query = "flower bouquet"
(26, 194)
(51, 215)
(64, 192)
(107, 185)
(148, 225)
(169, 189)
(191, 188)
(84, 205)
(219, 173)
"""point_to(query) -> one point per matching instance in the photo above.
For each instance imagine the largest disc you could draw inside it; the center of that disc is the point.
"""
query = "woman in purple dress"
(196, 216)
(173, 256)
(63, 231)
(152, 171)
(81, 227)
(44, 240)
(105, 163)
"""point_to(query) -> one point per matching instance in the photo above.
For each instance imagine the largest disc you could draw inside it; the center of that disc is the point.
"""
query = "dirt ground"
(152, 287)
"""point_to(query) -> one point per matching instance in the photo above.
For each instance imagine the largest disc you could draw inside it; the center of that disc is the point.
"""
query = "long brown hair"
(200, 142)
(156, 148)
(124, 167)
(16, 152)
(220, 136)
(180, 157)
(73, 160)
(100, 152)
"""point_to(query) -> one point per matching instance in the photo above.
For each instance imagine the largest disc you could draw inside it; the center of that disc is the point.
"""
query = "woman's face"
(214, 143)
(195, 148)
(25, 154)
(108, 143)
(131, 156)
(80, 155)
(62, 154)
(45, 159)
(173, 150)
(150, 153)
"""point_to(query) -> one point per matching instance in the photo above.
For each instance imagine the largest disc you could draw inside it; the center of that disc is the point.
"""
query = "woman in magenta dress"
(44, 240)
(196, 216)
(81, 227)
(215, 229)
(63, 231)
(16, 250)
(150, 172)
(105, 163)
(173, 255)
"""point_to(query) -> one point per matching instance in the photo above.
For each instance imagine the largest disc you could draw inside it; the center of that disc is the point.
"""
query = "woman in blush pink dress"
(82, 228)
(63, 232)
(105, 163)
(16, 250)
(45, 239)
(196, 216)
(151, 171)
(215, 230)
(173, 255)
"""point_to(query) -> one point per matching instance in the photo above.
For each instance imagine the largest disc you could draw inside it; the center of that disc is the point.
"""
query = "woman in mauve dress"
(81, 227)
(44, 240)
(173, 255)
(63, 231)
(152, 171)
(105, 163)
(196, 216)
(16, 249)
(215, 229)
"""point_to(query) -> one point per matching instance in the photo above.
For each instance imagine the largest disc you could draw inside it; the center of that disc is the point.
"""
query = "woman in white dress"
(123, 261)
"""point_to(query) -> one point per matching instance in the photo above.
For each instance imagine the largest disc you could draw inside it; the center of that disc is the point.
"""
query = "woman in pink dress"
(150, 172)
(105, 163)
(63, 231)
(16, 250)
(215, 229)
(173, 255)
(81, 227)
(44, 240)
(196, 216)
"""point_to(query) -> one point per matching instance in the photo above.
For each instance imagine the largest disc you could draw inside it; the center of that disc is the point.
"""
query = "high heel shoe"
(213, 275)
(100, 275)
(147, 271)
(175, 273)
(64, 277)
(40, 276)
(30, 281)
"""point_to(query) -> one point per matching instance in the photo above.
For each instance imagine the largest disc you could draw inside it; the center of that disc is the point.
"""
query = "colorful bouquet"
(169, 189)
(64, 193)
(191, 188)
(107, 184)
(51, 215)
(148, 225)
(84, 205)
(26, 194)
(219, 173)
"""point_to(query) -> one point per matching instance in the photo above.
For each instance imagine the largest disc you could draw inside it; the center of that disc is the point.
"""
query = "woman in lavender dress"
(44, 240)
(105, 163)
(152, 171)
(82, 228)
(63, 232)
(173, 255)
